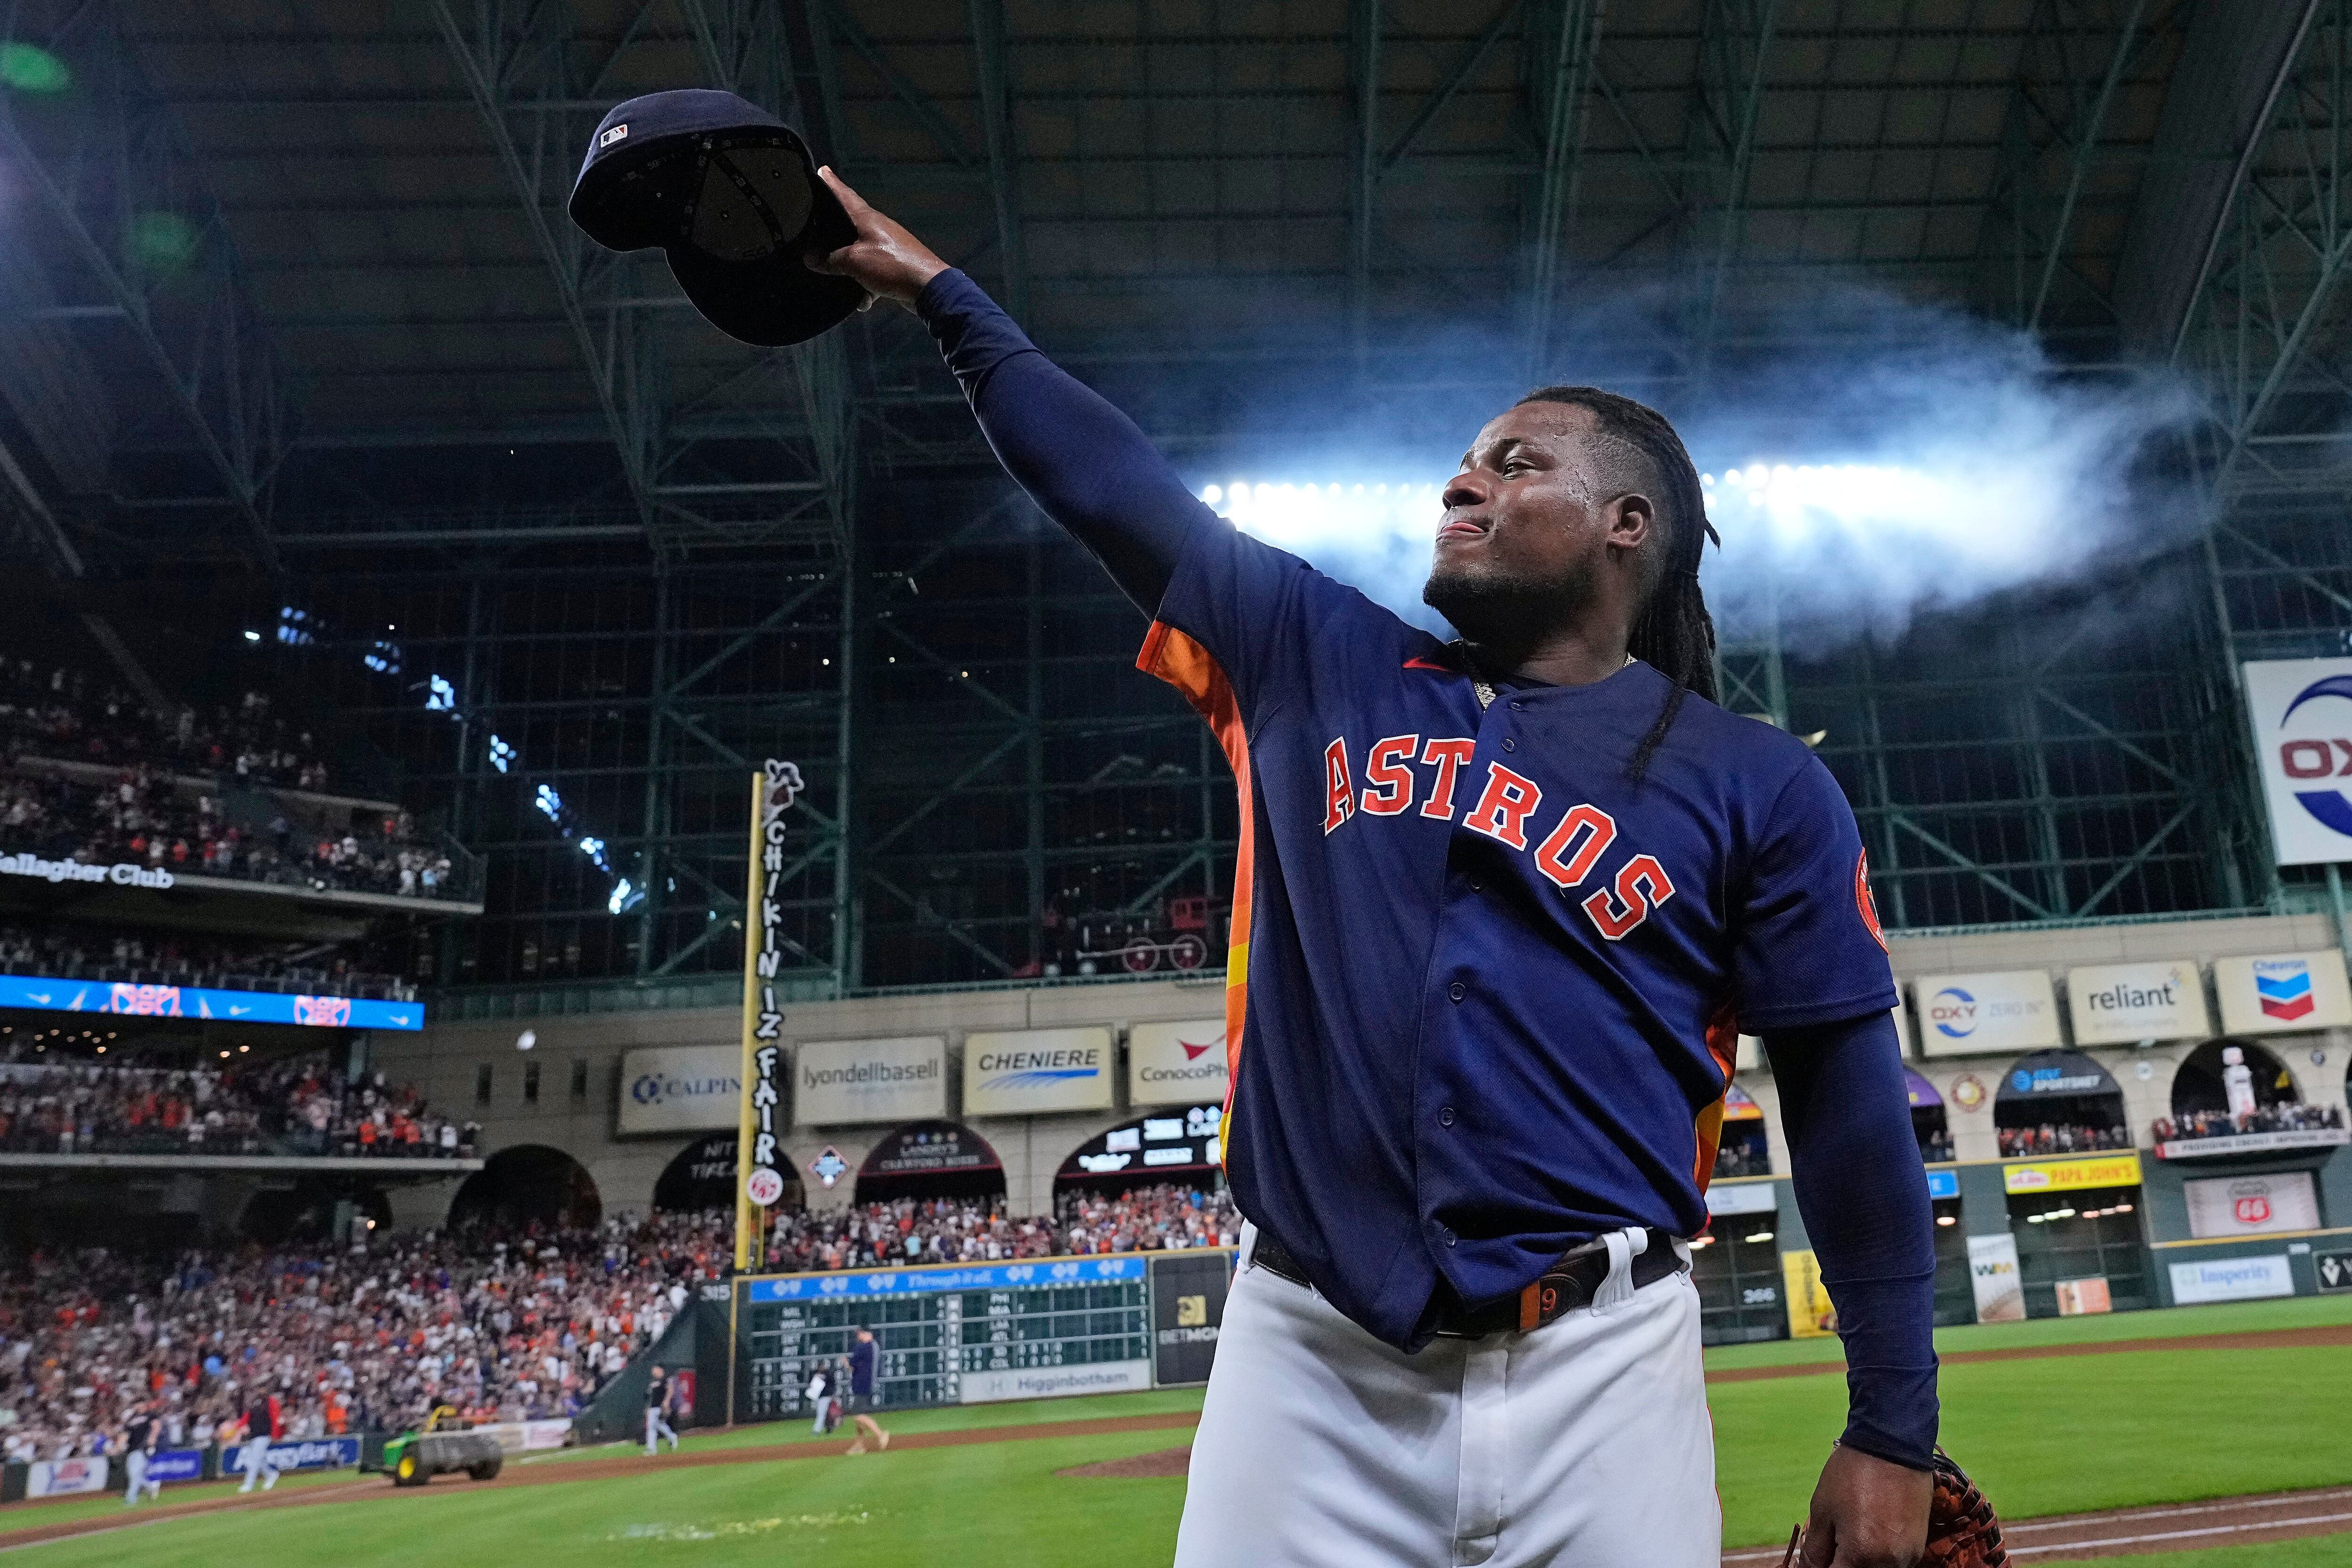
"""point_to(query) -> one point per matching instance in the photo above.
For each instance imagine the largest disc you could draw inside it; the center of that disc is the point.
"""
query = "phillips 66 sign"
(2301, 711)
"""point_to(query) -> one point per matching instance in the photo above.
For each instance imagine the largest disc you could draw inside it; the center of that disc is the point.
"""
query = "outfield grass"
(2047, 1435)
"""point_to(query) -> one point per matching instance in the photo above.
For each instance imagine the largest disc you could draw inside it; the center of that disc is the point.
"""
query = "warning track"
(2256, 1521)
(2266, 1339)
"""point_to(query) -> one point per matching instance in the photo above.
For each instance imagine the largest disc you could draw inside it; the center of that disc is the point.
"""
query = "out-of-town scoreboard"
(953, 1334)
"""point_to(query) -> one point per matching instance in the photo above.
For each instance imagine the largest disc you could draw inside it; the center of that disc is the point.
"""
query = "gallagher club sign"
(2300, 710)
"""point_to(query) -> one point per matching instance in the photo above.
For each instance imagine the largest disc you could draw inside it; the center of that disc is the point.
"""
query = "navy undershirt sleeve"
(1082, 460)
(1864, 1194)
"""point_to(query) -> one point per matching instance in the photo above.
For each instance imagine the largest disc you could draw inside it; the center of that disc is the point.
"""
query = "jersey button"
(1457, 990)
(1509, 744)
(1445, 1116)
(1515, 706)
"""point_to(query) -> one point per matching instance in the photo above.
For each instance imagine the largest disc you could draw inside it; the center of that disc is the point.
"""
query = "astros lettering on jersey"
(1485, 986)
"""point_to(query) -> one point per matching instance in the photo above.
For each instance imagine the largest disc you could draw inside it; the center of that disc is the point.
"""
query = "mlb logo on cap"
(730, 196)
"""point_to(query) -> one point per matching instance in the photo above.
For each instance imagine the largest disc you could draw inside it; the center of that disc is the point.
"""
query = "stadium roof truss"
(361, 349)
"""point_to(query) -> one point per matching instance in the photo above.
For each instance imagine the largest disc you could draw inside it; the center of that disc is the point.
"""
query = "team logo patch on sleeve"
(1862, 899)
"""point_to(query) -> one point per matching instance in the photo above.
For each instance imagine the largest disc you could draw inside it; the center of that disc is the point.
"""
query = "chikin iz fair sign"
(773, 789)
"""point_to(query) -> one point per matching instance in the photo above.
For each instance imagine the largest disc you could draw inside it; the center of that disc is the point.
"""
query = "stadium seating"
(295, 1107)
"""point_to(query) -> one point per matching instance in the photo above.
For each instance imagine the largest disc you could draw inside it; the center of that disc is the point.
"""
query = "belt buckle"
(1554, 1294)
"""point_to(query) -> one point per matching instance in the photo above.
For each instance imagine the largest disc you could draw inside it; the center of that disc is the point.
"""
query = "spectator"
(296, 1106)
(2287, 1116)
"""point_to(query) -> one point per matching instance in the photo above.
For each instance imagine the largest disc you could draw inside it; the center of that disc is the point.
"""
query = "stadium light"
(503, 755)
(1303, 516)
(551, 804)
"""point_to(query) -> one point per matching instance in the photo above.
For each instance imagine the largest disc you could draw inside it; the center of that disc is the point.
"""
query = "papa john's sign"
(1176, 1064)
(2300, 712)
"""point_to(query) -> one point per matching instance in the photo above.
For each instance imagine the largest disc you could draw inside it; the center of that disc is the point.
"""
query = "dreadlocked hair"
(1673, 633)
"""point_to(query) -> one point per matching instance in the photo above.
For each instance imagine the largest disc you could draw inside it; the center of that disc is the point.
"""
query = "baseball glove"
(1962, 1529)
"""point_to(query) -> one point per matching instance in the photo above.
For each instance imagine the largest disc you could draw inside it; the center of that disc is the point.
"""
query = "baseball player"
(259, 1428)
(658, 1427)
(1502, 906)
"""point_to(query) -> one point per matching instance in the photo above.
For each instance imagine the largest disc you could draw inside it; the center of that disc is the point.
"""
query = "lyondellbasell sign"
(761, 1116)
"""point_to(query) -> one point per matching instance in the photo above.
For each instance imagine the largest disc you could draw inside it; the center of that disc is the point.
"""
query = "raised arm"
(1084, 462)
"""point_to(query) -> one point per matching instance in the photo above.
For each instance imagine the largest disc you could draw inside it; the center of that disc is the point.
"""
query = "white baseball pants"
(258, 1466)
(1585, 1443)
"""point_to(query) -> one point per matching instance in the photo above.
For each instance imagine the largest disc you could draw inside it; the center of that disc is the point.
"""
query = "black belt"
(1566, 1285)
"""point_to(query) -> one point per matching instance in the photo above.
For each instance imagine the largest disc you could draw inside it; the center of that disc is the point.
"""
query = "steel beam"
(1570, 38)
(991, 50)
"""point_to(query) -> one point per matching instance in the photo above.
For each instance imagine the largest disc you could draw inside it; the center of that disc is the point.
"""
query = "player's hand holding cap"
(730, 194)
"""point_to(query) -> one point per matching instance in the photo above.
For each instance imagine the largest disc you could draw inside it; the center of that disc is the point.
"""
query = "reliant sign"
(1966, 1014)
(2288, 991)
(842, 1083)
(121, 875)
(1176, 1064)
(1028, 1072)
(692, 1088)
(2300, 710)
(2118, 1003)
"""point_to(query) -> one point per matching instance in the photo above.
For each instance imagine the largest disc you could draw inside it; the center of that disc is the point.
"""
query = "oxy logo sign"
(2308, 758)
(2300, 713)
(1953, 1012)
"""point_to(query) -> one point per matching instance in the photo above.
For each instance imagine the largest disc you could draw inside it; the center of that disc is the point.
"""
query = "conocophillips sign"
(1176, 1064)
(692, 1088)
(1027, 1071)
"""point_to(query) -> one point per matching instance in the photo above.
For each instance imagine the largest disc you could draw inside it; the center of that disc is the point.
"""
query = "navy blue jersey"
(1484, 988)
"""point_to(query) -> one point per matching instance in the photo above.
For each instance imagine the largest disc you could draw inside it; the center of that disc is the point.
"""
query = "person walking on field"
(658, 1427)
(820, 1397)
(863, 1354)
(139, 1453)
(258, 1439)
(1502, 906)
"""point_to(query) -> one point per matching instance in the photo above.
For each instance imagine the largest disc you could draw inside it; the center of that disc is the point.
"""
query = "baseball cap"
(730, 194)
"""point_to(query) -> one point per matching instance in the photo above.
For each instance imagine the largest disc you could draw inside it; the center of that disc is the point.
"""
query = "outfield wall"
(582, 1089)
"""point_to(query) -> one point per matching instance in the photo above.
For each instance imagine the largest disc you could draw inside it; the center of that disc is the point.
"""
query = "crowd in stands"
(1740, 1157)
(969, 1230)
(143, 818)
(503, 1327)
(2017, 1142)
(64, 713)
(2290, 1116)
(296, 1107)
(1935, 1147)
(180, 958)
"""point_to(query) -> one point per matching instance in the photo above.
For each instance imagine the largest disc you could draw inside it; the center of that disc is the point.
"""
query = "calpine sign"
(2300, 713)
(694, 1089)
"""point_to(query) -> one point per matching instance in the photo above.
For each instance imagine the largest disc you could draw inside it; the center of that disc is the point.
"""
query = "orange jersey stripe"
(1177, 659)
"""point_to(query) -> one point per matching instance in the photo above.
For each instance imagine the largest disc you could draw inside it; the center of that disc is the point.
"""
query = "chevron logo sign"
(2283, 986)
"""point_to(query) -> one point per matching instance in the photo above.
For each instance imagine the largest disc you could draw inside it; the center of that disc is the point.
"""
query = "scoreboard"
(959, 1334)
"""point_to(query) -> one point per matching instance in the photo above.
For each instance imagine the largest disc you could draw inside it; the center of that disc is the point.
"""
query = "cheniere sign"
(43, 994)
(1029, 1071)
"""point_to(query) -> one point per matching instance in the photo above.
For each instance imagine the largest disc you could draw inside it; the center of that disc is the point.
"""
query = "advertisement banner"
(1026, 1072)
(2084, 1171)
(2335, 1271)
(1940, 1184)
(2120, 1003)
(688, 1089)
(46, 995)
(1176, 1064)
(305, 1454)
(1742, 1197)
(2283, 991)
(846, 1083)
(1969, 1015)
(1993, 1276)
(64, 1477)
(2303, 747)
(2251, 1205)
(171, 1465)
(1178, 1142)
(1053, 1382)
(1188, 1308)
(2232, 1279)
(2078, 1298)
(760, 1160)
(1812, 1315)
(948, 1277)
